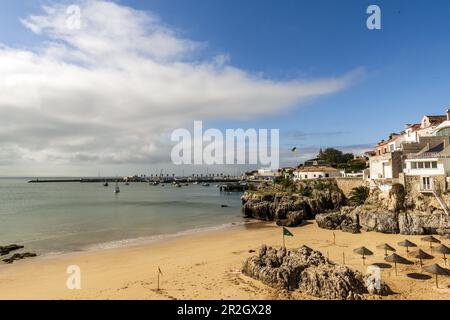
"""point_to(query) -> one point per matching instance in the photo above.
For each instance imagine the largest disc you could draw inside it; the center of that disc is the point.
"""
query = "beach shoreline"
(205, 265)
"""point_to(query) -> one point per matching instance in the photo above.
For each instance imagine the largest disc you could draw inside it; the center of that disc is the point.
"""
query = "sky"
(104, 98)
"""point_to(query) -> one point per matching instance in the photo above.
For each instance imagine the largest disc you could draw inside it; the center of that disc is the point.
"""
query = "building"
(315, 162)
(427, 170)
(316, 172)
(386, 167)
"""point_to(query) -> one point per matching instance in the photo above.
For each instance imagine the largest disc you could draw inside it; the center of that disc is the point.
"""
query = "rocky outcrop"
(376, 219)
(417, 222)
(19, 256)
(339, 220)
(10, 248)
(290, 209)
(309, 272)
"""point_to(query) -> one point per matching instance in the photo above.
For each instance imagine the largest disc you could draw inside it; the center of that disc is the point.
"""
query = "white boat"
(117, 189)
(195, 182)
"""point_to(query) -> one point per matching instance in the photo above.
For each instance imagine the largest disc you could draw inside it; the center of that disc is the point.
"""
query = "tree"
(332, 156)
(359, 195)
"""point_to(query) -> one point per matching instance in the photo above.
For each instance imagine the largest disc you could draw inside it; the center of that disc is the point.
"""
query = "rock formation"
(389, 212)
(291, 208)
(7, 249)
(19, 256)
(308, 271)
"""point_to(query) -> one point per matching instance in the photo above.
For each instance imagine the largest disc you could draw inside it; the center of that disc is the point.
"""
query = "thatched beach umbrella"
(420, 254)
(408, 244)
(431, 240)
(364, 252)
(395, 258)
(437, 270)
(386, 248)
(444, 250)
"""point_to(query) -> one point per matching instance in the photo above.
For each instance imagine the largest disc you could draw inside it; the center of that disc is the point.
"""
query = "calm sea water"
(61, 217)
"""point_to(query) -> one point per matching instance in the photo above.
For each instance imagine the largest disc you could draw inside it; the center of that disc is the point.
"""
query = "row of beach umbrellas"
(419, 254)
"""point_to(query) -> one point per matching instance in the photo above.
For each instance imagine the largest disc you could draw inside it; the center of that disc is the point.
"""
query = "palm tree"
(359, 195)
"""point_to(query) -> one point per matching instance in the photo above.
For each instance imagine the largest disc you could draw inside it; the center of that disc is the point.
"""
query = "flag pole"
(158, 280)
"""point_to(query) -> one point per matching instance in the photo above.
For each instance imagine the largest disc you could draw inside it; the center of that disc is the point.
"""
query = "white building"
(316, 172)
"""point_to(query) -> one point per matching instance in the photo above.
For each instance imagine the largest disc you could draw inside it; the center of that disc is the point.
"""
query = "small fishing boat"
(117, 189)
(195, 182)
(127, 183)
(106, 184)
(206, 184)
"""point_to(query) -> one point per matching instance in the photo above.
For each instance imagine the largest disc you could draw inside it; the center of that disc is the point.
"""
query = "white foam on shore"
(161, 237)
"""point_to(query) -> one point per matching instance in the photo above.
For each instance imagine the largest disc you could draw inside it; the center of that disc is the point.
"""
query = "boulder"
(19, 256)
(343, 220)
(417, 222)
(307, 271)
(7, 249)
(374, 219)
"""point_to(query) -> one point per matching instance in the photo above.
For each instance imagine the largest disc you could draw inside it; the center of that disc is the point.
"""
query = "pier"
(235, 180)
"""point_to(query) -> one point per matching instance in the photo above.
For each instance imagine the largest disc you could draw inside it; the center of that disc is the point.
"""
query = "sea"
(54, 218)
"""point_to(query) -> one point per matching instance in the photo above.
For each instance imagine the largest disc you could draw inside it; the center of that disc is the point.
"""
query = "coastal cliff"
(392, 211)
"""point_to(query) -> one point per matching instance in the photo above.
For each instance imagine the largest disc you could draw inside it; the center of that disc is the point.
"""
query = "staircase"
(441, 201)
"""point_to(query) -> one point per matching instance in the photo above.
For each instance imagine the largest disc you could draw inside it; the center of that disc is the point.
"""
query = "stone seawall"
(347, 184)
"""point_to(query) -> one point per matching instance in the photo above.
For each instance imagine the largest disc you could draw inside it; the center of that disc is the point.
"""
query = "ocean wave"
(155, 238)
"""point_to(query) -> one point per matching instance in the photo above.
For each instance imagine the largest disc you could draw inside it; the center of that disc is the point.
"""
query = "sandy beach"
(203, 266)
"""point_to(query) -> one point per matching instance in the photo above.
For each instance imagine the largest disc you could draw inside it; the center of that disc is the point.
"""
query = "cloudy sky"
(103, 93)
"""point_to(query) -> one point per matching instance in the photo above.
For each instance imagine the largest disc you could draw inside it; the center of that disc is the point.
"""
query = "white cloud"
(111, 91)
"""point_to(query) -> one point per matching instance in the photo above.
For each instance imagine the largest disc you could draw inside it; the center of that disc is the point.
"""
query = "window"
(391, 147)
(434, 164)
(427, 165)
(327, 175)
(413, 165)
(420, 165)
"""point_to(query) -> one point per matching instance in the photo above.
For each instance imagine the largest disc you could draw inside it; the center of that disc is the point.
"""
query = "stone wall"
(412, 183)
(347, 184)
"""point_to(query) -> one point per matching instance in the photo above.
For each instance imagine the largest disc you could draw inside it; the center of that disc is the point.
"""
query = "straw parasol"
(444, 250)
(386, 248)
(364, 252)
(408, 244)
(437, 270)
(430, 239)
(420, 254)
(395, 258)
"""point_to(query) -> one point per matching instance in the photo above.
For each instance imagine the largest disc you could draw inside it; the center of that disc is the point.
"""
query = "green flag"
(286, 232)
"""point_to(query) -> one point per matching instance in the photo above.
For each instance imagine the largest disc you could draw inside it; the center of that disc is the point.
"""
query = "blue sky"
(405, 63)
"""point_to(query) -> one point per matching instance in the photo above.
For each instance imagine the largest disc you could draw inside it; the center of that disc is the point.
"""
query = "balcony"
(427, 155)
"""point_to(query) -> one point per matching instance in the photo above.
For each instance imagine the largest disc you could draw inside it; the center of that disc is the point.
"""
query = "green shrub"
(359, 195)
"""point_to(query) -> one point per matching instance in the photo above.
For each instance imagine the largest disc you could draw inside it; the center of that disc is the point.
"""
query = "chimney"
(448, 114)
